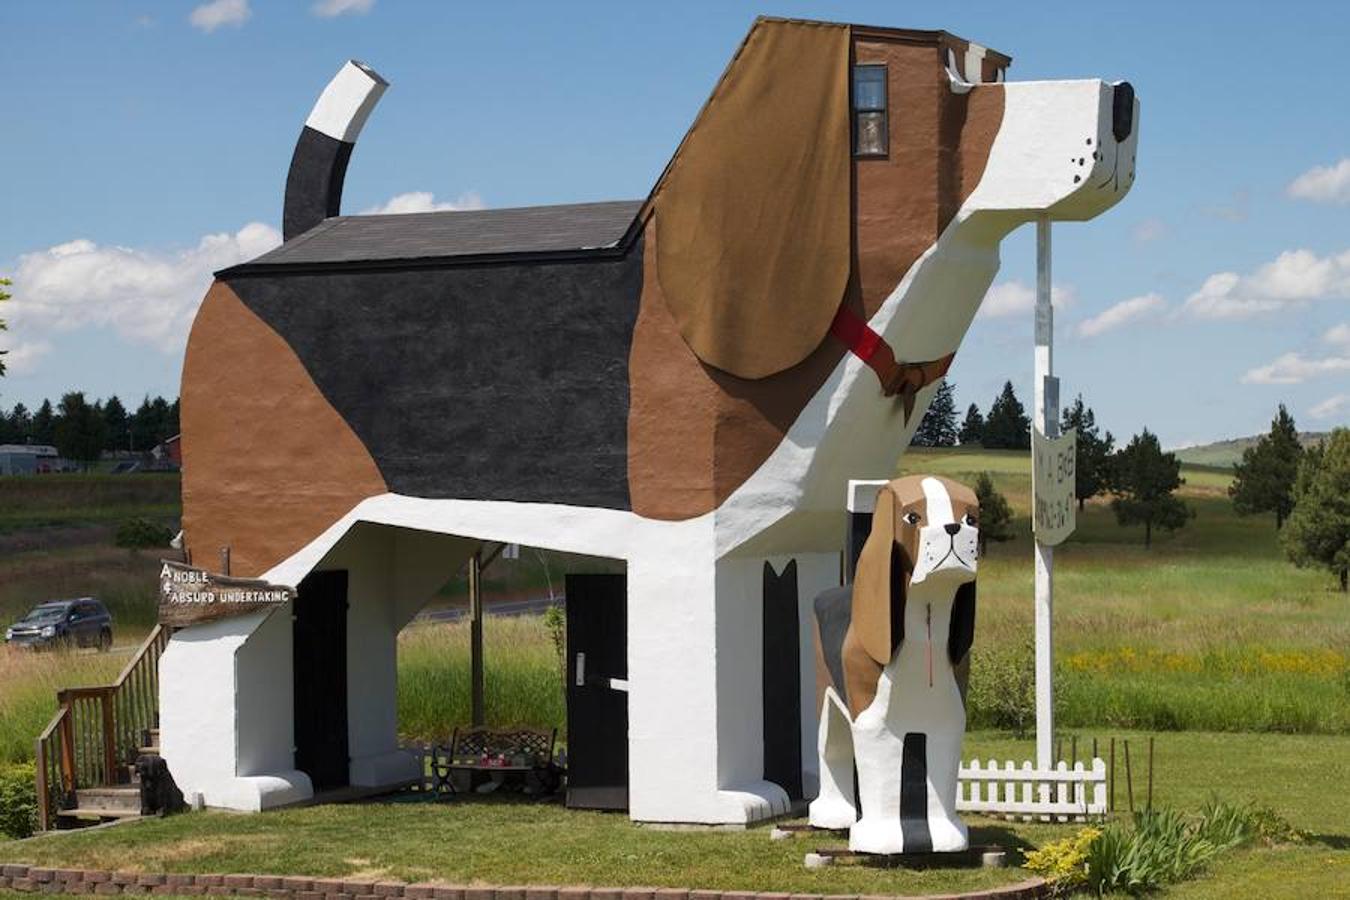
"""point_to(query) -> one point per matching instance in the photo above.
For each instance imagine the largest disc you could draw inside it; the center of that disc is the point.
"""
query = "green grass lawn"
(482, 839)
(71, 499)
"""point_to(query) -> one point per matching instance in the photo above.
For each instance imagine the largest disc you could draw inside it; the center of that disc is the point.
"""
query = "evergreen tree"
(938, 428)
(995, 513)
(1264, 480)
(115, 418)
(1145, 478)
(1318, 529)
(972, 429)
(20, 424)
(43, 428)
(1007, 426)
(1092, 469)
(80, 431)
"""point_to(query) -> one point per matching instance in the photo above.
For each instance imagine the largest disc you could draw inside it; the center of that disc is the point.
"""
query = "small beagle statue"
(892, 664)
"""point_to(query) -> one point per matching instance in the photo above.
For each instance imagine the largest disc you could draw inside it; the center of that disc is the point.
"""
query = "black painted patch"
(782, 681)
(961, 633)
(505, 382)
(314, 182)
(899, 579)
(914, 794)
(834, 612)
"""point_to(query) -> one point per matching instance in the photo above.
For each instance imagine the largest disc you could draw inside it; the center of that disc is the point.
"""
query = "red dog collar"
(902, 378)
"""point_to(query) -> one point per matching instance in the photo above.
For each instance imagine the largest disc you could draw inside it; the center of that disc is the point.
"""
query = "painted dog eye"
(971, 521)
(912, 518)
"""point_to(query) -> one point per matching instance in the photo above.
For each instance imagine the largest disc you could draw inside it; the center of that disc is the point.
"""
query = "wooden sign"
(191, 596)
(1054, 504)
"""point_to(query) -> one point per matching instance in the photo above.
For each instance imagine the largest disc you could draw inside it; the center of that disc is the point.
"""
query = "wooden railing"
(98, 731)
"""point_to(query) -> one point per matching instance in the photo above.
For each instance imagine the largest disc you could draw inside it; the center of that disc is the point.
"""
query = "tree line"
(1307, 489)
(82, 431)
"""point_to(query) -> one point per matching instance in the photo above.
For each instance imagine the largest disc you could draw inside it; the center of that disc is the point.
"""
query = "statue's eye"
(912, 518)
(971, 520)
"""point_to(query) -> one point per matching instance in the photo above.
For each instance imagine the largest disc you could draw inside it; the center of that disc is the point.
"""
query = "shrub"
(1064, 862)
(18, 801)
(1227, 825)
(140, 533)
(1161, 849)
(1002, 692)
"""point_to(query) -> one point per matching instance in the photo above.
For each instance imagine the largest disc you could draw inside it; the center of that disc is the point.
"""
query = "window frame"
(856, 112)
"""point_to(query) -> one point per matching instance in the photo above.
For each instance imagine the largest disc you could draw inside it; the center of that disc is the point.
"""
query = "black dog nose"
(1122, 111)
(952, 528)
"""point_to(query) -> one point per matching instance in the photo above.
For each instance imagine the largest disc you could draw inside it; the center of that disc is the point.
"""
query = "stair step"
(109, 799)
(80, 812)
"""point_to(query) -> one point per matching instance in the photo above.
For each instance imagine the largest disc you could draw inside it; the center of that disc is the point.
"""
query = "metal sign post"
(1047, 421)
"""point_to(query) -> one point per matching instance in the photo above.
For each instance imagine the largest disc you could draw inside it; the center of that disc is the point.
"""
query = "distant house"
(170, 453)
(30, 459)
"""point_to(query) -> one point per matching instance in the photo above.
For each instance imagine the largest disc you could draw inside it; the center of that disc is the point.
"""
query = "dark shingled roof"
(447, 235)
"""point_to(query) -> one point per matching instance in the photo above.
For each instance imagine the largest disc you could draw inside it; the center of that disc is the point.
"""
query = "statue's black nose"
(952, 527)
(1122, 111)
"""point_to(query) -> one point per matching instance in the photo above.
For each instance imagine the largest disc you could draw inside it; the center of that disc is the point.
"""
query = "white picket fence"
(1024, 791)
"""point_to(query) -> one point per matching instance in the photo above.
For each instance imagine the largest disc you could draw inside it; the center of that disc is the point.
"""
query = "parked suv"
(84, 622)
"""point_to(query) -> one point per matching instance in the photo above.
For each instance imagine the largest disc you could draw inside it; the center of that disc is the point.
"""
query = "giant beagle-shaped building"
(683, 384)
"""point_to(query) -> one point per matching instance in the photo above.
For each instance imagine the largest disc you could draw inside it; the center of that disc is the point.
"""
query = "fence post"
(109, 739)
(67, 752)
(43, 796)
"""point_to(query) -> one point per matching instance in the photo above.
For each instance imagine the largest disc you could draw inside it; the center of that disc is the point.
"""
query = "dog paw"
(949, 835)
(873, 835)
(831, 813)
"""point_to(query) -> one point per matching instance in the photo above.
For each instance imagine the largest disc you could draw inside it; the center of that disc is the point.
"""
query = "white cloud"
(144, 296)
(1149, 230)
(328, 9)
(424, 201)
(1013, 298)
(1122, 313)
(23, 359)
(1323, 184)
(1332, 407)
(1293, 368)
(210, 16)
(1338, 335)
(1295, 277)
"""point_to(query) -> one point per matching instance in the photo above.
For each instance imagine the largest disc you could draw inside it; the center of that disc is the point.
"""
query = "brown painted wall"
(267, 463)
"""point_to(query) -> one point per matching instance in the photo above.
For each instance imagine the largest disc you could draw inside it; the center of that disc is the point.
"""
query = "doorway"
(319, 664)
(597, 691)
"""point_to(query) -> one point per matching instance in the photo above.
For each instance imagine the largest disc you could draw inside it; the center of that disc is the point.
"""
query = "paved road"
(531, 606)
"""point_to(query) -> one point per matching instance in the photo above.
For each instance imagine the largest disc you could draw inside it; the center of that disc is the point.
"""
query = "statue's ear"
(753, 248)
(961, 633)
(879, 565)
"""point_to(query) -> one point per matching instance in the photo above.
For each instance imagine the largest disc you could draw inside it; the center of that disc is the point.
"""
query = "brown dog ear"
(873, 607)
(753, 252)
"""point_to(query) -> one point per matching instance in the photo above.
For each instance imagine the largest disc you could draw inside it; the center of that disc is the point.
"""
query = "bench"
(518, 751)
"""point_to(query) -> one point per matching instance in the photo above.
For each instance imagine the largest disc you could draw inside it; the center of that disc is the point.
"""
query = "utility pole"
(1046, 420)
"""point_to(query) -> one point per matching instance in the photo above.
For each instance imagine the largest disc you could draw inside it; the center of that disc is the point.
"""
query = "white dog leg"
(833, 807)
(947, 831)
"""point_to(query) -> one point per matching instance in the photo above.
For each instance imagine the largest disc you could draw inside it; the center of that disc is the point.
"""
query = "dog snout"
(952, 528)
(1122, 111)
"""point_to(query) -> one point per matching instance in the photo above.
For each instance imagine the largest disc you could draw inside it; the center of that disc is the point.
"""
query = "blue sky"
(146, 143)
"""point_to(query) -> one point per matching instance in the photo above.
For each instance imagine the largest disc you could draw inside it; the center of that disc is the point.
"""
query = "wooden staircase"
(86, 756)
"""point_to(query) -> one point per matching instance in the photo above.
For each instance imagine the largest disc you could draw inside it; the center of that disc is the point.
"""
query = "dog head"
(925, 530)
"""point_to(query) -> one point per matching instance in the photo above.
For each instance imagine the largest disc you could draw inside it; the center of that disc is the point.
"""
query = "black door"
(320, 667)
(597, 697)
(782, 681)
